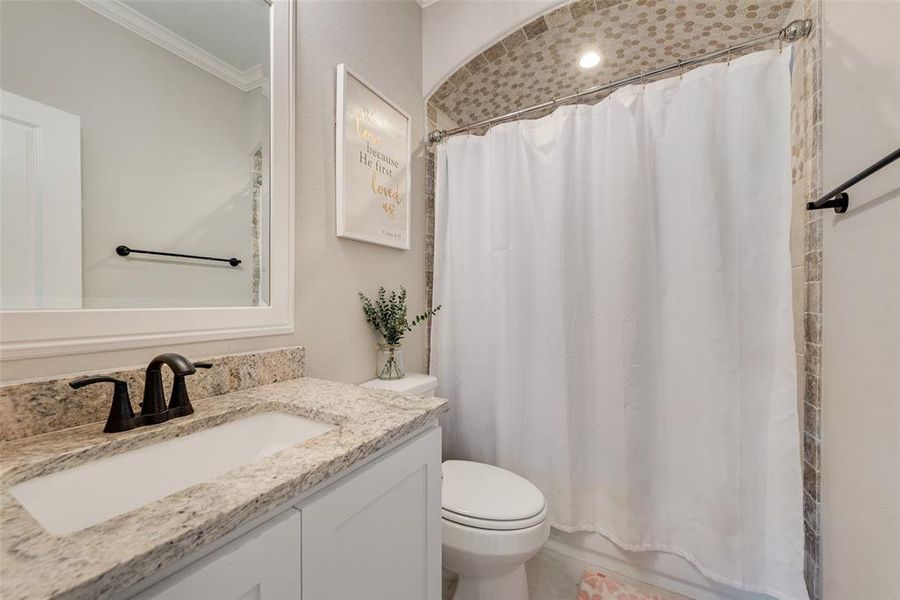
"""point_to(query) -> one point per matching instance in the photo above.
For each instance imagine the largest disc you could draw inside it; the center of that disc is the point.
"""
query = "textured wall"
(382, 41)
(860, 402)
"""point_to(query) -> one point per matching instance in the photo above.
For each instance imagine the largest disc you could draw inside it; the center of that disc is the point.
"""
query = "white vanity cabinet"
(374, 534)
(259, 565)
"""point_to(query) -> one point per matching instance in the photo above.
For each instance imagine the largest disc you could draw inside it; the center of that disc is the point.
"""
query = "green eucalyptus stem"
(387, 314)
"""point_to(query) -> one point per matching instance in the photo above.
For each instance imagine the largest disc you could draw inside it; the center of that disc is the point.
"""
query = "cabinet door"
(377, 534)
(263, 564)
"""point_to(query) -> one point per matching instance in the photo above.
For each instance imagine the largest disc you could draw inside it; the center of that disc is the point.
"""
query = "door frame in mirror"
(36, 333)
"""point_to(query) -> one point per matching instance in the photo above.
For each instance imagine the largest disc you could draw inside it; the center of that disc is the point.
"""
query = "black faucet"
(153, 408)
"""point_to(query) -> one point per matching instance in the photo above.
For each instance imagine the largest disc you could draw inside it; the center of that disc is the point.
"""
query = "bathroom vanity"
(367, 535)
(350, 511)
(276, 486)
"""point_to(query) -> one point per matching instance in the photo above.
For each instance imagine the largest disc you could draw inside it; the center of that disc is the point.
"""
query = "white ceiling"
(235, 31)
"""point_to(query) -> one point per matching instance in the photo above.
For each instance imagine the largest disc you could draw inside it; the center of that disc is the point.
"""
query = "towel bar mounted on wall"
(125, 251)
(838, 198)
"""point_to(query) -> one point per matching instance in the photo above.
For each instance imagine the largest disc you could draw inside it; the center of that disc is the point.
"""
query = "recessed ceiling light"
(589, 60)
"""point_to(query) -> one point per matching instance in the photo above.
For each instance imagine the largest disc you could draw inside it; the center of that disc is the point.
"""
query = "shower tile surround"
(36, 407)
(806, 258)
(256, 188)
(538, 61)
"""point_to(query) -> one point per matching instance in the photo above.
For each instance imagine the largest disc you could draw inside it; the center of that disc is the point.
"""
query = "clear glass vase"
(389, 362)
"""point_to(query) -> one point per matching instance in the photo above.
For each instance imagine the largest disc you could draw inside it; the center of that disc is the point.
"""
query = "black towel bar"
(838, 198)
(125, 251)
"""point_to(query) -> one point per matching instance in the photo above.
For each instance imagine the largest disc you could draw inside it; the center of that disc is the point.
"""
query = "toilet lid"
(481, 494)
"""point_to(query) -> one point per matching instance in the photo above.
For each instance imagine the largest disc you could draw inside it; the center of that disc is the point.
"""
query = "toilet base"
(511, 585)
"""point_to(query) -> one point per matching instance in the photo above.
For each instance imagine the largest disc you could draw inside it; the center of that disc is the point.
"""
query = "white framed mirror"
(148, 173)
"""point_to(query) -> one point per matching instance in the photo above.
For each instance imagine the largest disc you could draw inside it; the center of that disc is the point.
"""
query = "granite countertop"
(111, 557)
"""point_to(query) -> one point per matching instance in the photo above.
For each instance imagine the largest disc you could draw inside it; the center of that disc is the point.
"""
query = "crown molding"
(150, 30)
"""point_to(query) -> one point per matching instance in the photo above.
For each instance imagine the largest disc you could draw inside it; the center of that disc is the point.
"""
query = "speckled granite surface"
(111, 557)
(36, 407)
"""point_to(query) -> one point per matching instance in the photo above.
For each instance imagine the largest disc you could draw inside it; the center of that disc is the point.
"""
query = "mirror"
(135, 138)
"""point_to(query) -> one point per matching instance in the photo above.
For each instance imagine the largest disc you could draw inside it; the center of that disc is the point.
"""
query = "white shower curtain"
(616, 322)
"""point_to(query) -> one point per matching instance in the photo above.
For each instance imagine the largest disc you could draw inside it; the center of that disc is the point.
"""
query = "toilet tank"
(414, 383)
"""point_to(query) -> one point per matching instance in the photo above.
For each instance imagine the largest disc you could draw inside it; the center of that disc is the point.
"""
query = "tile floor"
(552, 576)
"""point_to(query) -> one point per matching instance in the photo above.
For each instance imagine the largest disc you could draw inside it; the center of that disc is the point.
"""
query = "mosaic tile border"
(256, 186)
(539, 60)
(806, 246)
(806, 126)
(36, 407)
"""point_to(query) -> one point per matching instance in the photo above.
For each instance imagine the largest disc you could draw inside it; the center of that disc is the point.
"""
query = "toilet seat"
(493, 525)
(488, 497)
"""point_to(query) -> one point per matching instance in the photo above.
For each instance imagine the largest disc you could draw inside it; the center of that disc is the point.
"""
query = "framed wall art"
(372, 191)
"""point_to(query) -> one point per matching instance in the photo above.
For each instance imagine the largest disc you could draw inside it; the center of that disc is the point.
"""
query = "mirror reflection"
(141, 124)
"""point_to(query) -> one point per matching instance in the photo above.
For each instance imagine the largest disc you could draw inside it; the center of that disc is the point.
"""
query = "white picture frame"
(373, 138)
(39, 333)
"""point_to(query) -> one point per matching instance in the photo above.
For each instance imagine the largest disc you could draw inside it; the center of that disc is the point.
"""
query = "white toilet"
(492, 520)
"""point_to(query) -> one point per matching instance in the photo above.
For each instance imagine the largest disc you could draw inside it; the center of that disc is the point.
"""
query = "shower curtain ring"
(643, 81)
(728, 62)
(680, 70)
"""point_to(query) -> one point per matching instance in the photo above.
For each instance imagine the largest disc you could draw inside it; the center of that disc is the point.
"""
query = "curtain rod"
(791, 33)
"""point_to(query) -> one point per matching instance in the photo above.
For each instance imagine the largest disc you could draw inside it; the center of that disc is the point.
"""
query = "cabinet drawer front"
(376, 536)
(263, 564)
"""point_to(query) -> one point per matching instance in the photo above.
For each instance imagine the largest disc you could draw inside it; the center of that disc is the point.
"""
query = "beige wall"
(861, 305)
(383, 42)
(165, 154)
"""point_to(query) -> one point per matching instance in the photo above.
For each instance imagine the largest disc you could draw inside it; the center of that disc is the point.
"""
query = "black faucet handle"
(79, 383)
(121, 415)
(180, 402)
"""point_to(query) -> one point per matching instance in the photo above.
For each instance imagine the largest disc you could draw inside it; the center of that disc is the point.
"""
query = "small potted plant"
(387, 315)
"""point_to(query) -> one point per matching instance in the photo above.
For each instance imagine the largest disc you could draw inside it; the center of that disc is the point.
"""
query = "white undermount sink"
(97, 491)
